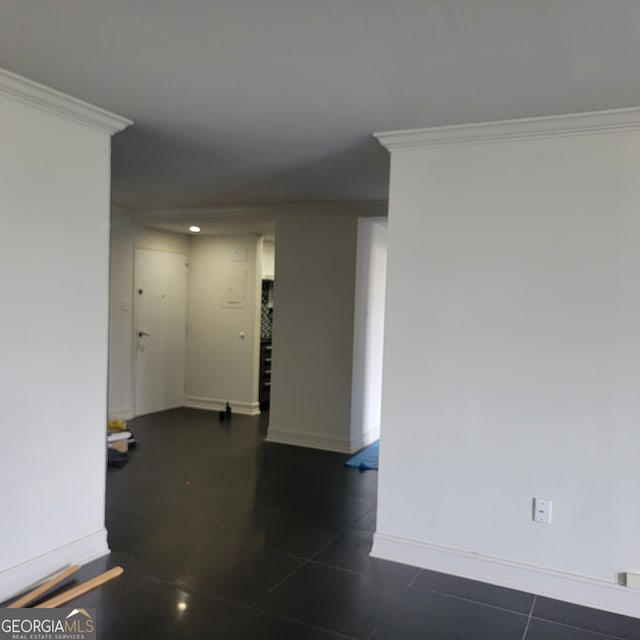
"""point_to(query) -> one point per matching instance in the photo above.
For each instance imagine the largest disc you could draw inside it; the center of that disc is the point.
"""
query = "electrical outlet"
(632, 580)
(542, 510)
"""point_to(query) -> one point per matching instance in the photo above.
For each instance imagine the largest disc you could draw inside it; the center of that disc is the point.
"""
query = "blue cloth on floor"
(365, 459)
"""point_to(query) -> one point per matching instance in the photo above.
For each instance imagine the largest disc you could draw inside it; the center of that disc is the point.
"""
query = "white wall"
(313, 331)
(125, 236)
(224, 337)
(54, 202)
(368, 337)
(268, 259)
(512, 358)
(221, 365)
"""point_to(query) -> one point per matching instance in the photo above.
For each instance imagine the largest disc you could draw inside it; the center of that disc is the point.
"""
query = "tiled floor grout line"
(276, 585)
(321, 549)
(593, 632)
(409, 585)
(413, 581)
(356, 572)
(305, 624)
(375, 629)
(252, 606)
(304, 564)
(526, 627)
(310, 560)
(465, 599)
(196, 590)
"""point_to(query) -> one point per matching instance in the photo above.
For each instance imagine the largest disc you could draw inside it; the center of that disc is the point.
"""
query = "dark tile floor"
(223, 536)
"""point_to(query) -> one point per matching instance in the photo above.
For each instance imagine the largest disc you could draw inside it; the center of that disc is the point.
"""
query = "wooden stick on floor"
(34, 594)
(81, 589)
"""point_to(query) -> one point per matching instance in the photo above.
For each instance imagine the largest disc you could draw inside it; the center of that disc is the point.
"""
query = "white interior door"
(160, 330)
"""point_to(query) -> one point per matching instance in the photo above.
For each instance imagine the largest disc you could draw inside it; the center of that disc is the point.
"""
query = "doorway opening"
(185, 319)
(368, 343)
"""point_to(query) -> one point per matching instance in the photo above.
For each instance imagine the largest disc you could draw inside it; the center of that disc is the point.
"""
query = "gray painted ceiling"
(240, 102)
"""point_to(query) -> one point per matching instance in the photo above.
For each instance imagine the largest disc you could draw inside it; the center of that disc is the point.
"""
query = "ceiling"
(251, 102)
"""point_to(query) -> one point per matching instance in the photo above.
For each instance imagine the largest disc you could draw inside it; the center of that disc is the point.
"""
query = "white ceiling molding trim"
(237, 213)
(523, 128)
(47, 99)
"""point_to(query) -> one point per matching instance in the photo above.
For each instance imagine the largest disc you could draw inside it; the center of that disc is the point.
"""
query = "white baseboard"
(26, 575)
(365, 439)
(310, 440)
(213, 404)
(588, 592)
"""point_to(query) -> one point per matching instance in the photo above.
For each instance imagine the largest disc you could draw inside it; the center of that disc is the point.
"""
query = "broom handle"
(81, 589)
(34, 594)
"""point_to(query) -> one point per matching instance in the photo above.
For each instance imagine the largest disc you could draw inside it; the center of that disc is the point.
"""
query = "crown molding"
(250, 213)
(52, 101)
(505, 130)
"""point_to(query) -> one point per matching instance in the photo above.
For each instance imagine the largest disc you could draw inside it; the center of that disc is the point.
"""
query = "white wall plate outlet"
(542, 510)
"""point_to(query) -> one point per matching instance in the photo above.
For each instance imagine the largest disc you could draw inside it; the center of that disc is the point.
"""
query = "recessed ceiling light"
(194, 229)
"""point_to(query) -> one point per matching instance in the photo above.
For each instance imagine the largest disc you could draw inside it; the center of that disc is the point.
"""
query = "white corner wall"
(54, 199)
(368, 331)
(313, 331)
(512, 355)
(268, 259)
(125, 236)
(224, 336)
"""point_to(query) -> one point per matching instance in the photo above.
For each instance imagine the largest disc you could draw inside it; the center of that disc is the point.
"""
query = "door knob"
(143, 333)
